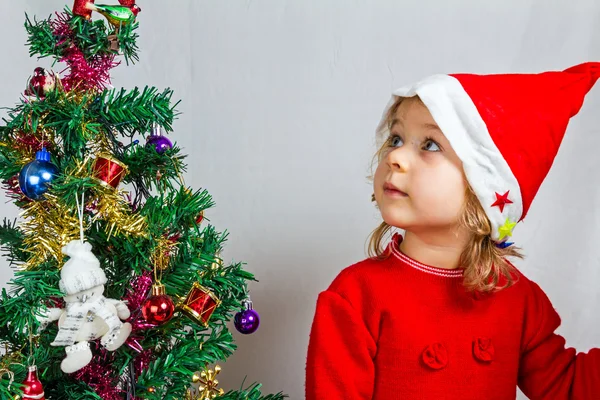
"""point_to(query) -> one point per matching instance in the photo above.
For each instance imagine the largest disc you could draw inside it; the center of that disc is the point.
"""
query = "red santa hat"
(505, 128)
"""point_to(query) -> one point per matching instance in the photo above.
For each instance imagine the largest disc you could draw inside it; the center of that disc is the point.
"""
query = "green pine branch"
(70, 390)
(42, 41)
(67, 116)
(135, 111)
(10, 163)
(175, 211)
(251, 393)
(11, 241)
(153, 170)
(28, 291)
(170, 374)
(91, 37)
(27, 115)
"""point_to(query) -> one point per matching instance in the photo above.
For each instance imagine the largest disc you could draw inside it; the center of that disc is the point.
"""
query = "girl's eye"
(431, 145)
(396, 141)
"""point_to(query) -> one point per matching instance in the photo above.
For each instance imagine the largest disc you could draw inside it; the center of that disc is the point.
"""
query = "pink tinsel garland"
(98, 374)
(83, 74)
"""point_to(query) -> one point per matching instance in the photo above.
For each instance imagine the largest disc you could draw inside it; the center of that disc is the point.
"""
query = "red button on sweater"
(399, 329)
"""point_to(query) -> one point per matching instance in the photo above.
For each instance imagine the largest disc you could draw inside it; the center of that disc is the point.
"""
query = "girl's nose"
(398, 159)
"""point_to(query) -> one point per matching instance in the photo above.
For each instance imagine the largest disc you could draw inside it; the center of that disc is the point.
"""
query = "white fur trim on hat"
(486, 169)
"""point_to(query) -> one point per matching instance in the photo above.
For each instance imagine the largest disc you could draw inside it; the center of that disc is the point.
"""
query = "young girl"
(440, 313)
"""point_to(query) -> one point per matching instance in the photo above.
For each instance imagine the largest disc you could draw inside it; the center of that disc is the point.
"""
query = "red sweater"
(399, 329)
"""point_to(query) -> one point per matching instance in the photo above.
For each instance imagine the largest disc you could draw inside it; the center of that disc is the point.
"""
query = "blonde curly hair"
(485, 266)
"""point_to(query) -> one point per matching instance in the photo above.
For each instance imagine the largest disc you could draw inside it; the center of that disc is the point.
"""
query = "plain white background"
(280, 101)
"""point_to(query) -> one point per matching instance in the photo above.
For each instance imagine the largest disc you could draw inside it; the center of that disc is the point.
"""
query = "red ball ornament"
(32, 387)
(159, 308)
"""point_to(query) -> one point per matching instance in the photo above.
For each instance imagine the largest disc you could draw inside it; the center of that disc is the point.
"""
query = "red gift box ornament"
(199, 304)
(108, 171)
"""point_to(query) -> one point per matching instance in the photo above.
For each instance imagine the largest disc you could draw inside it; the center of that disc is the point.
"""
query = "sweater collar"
(394, 247)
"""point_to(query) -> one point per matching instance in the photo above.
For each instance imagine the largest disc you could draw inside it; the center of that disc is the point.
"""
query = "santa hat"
(82, 271)
(505, 128)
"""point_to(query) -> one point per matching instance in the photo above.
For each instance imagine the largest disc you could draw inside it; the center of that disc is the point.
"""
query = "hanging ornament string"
(181, 181)
(80, 213)
(157, 274)
(10, 358)
(158, 267)
(11, 376)
(30, 357)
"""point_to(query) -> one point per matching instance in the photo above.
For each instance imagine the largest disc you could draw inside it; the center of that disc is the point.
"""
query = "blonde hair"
(484, 264)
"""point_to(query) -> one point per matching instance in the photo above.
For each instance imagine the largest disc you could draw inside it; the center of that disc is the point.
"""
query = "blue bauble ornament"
(35, 176)
(247, 321)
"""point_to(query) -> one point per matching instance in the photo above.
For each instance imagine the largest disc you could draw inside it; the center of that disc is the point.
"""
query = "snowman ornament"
(87, 314)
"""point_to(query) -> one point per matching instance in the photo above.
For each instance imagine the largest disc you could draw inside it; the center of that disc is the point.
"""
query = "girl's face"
(419, 183)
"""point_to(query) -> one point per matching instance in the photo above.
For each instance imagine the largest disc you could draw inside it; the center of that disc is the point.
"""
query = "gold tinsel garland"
(164, 249)
(110, 205)
(49, 224)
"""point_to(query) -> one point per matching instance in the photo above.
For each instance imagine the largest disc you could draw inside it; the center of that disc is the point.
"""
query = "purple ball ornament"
(161, 143)
(247, 320)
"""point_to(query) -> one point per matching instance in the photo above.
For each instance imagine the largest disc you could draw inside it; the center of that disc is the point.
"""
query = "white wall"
(280, 100)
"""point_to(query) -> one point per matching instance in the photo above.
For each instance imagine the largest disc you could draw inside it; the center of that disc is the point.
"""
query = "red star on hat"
(502, 200)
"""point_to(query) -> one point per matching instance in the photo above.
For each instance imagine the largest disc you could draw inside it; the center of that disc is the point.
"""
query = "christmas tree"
(119, 291)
